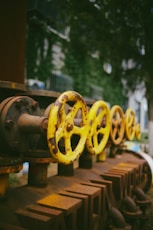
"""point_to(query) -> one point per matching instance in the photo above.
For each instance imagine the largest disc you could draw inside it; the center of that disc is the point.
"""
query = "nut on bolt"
(34, 105)
(18, 103)
(9, 124)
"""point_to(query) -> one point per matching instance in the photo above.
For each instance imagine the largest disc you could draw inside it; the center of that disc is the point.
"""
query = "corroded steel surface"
(126, 166)
(12, 86)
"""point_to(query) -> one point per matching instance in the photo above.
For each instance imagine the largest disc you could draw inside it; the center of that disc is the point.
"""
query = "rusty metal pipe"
(117, 218)
(130, 204)
(32, 124)
(140, 194)
(141, 198)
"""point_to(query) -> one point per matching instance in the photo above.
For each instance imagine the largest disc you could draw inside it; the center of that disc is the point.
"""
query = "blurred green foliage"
(117, 31)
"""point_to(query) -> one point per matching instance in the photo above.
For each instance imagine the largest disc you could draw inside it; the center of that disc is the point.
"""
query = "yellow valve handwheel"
(62, 130)
(138, 132)
(117, 124)
(130, 124)
(99, 121)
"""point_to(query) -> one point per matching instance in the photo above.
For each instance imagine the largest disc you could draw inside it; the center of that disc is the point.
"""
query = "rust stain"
(58, 103)
(53, 144)
(69, 127)
(91, 123)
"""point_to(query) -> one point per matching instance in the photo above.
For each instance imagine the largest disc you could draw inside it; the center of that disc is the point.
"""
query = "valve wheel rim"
(117, 124)
(99, 121)
(138, 131)
(62, 128)
(130, 124)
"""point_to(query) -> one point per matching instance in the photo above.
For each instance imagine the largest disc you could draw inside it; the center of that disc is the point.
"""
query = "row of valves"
(65, 128)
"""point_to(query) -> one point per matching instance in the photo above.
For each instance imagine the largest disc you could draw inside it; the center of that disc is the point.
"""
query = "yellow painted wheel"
(130, 124)
(99, 121)
(67, 138)
(138, 131)
(117, 124)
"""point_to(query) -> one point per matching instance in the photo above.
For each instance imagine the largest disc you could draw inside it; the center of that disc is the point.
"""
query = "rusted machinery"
(107, 189)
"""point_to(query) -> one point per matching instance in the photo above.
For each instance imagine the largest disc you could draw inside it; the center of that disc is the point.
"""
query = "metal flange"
(20, 124)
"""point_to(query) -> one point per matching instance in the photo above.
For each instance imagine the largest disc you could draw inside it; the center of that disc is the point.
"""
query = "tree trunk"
(150, 126)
